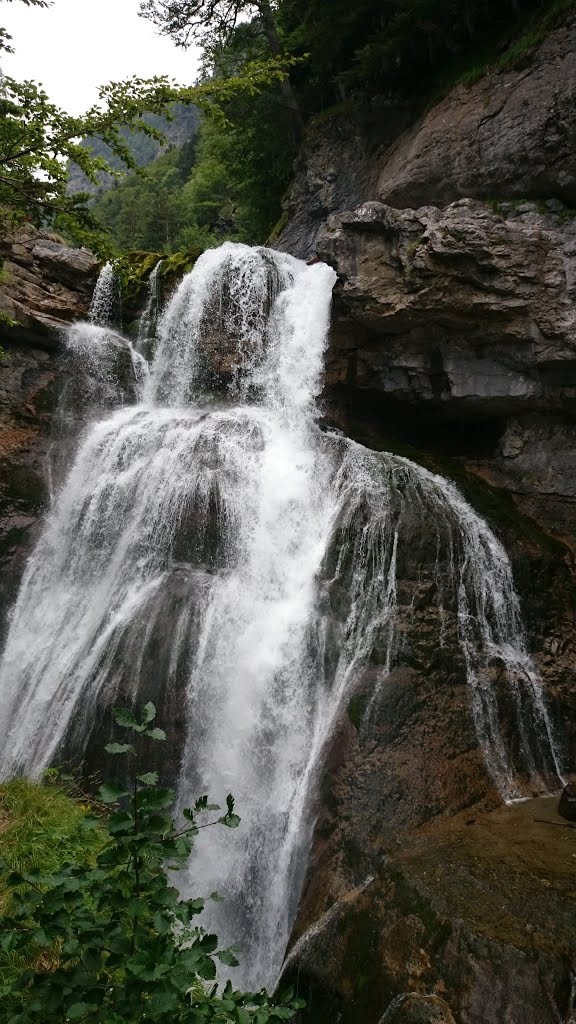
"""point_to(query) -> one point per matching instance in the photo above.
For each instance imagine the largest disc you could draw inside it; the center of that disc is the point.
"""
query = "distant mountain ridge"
(181, 129)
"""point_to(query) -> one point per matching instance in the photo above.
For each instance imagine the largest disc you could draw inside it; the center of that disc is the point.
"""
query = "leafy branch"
(120, 944)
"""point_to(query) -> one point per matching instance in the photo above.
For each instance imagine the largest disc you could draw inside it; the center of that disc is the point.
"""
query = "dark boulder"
(567, 805)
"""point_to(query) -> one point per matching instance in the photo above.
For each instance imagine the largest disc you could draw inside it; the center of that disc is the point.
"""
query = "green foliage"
(41, 827)
(38, 140)
(144, 211)
(179, 129)
(112, 942)
(398, 47)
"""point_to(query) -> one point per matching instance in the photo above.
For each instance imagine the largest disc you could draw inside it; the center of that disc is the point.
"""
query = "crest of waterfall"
(149, 318)
(101, 310)
(213, 549)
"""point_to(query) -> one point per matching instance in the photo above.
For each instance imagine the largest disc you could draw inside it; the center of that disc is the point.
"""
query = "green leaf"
(124, 718)
(155, 799)
(78, 1010)
(119, 748)
(207, 943)
(162, 1002)
(226, 956)
(112, 791)
(40, 938)
(148, 713)
(120, 823)
(156, 734)
(149, 778)
(216, 897)
(230, 821)
(207, 969)
(162, 923)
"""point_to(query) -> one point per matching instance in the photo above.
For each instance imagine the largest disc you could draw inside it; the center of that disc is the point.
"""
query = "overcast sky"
(77, 45)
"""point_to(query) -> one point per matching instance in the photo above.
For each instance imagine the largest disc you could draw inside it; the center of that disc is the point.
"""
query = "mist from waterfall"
(211, 533)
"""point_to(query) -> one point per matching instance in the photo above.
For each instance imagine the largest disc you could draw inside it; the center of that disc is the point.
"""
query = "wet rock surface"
(418, 1009)
(45, 285)
(476, 911)
(453, 344)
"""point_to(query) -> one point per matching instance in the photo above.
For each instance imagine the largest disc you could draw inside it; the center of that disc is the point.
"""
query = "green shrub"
(109, 941)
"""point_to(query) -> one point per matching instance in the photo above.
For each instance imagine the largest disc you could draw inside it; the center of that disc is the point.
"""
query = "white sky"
(77, 45)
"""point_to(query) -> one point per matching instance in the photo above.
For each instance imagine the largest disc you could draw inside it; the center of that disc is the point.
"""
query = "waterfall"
(101, 310)
(149, 318)
(212, 547)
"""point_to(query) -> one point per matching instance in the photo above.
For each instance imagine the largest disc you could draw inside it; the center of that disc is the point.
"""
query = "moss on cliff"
(135, 268)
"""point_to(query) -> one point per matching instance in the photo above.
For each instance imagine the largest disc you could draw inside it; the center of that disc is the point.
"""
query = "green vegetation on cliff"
(269, 66)
(41, 828)
(244, 163)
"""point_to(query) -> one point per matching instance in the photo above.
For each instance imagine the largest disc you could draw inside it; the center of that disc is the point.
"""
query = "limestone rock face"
(468, 921)
(44, 285)
(337, 168)
(511, 134)
(457, 327)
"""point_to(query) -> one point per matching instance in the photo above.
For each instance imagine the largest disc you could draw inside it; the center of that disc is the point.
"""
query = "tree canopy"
(38, 139)
(211, 23)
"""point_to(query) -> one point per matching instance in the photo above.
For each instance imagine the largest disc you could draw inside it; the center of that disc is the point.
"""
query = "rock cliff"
(452, 342)
(511, 135)
(44, 285)
(455, 329)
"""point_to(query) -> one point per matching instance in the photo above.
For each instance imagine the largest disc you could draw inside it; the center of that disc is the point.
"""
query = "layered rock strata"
(44, 286)
(455, 329)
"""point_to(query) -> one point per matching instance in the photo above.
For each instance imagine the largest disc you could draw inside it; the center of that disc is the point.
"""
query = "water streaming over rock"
(150, 315)
(101, 310)
(214, 549)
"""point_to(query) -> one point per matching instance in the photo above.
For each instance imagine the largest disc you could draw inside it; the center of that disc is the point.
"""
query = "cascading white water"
(215, 537)
(101, 307)
(148, 320)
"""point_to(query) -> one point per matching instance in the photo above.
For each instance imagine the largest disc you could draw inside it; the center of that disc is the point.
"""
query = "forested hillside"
(177, 131)
(231, 183)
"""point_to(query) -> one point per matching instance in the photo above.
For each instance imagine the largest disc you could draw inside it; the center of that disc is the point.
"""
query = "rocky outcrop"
(454, 343)
(469, 921)
(44, 285)
(418, 1009)
(455, 330)
(337, 168)
(512, 134)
